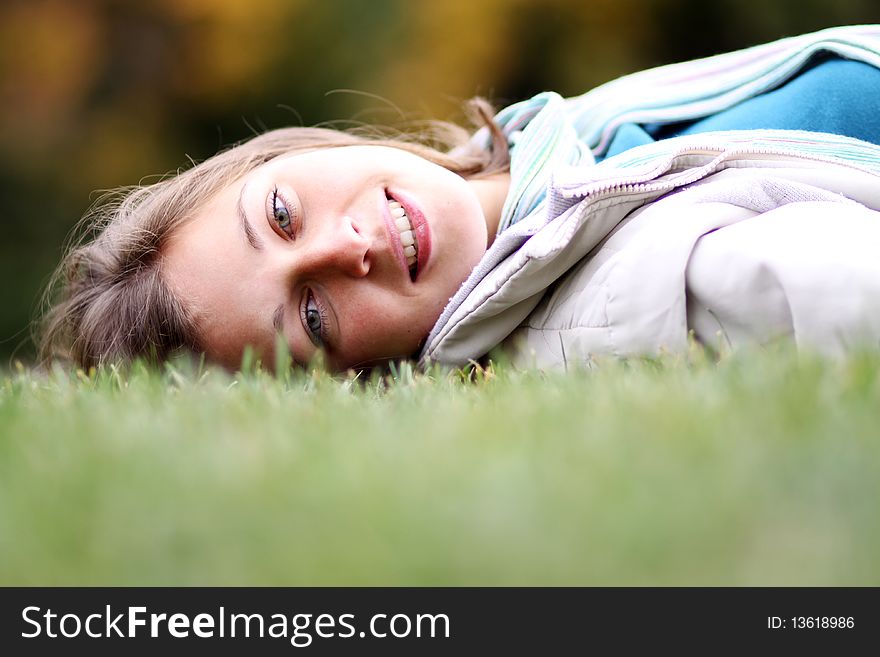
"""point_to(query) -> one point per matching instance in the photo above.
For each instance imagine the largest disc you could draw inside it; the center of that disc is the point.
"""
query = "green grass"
(762, 469)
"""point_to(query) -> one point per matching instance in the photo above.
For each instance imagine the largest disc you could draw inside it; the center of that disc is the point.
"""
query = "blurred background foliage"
(102, 93)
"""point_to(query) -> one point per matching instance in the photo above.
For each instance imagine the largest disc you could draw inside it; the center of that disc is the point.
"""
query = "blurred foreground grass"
(763, 469)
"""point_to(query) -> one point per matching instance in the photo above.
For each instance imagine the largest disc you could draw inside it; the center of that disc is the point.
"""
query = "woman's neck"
(491, 192)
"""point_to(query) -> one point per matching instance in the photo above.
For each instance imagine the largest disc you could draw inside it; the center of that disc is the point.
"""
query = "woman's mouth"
(407, 237)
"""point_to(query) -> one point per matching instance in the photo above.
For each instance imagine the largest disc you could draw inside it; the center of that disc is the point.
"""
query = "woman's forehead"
(207, 266)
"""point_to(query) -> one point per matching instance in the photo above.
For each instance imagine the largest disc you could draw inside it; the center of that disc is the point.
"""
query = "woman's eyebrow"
(253, 239)
(278, 324)
(278, 319)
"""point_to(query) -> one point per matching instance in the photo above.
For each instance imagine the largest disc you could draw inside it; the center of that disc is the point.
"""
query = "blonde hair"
(107, 301)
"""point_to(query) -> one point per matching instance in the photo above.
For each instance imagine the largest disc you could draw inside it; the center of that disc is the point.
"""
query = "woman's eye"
(280, 213)
(313, 319)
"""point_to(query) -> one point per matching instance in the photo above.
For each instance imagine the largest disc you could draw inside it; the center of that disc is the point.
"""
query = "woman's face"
(318, 247)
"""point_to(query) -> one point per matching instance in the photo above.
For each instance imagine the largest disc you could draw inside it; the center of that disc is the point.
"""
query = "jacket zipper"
(640, 184)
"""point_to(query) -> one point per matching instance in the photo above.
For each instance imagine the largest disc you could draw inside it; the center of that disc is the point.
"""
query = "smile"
(407, 237)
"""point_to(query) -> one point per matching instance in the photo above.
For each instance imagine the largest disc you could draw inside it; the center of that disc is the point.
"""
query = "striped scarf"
(548, 131)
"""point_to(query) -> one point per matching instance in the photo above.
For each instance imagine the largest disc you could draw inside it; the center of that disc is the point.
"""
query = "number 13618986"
(811, 623)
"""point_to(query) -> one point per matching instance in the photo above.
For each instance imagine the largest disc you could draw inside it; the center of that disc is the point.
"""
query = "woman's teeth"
(407, 238)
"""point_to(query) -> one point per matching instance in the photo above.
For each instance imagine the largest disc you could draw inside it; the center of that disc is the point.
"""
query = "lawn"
(758, 469)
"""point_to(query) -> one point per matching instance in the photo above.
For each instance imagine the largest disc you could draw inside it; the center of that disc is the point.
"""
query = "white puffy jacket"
(742, 239)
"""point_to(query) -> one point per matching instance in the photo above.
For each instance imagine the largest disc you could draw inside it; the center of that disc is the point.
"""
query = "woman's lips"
(394, 236)
(421, 230)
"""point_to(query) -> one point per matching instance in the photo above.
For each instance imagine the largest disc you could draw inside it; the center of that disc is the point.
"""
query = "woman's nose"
(340, 246)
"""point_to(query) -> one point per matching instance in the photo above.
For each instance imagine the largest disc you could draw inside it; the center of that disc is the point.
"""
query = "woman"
(671, 200)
